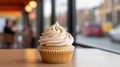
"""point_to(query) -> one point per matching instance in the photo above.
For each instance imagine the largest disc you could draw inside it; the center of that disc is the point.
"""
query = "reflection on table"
(82, 58)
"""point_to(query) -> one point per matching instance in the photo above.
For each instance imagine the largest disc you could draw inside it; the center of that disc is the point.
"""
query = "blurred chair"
(8, 39)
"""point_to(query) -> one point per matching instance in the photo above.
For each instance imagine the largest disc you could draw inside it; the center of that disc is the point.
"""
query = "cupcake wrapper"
(56, 56)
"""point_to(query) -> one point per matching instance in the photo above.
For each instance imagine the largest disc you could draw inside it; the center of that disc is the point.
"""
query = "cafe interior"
(54, 33)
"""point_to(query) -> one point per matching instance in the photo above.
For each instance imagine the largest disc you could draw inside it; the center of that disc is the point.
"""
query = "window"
(118, 1)
(99, 32)
(47, 13)
(61, 12)
(109, 17)
(118, 16)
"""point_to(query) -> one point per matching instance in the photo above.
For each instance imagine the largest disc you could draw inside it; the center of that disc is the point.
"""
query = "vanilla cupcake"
(56, 45)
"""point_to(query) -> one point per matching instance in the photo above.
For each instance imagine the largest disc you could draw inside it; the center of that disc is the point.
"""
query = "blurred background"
(97, 22)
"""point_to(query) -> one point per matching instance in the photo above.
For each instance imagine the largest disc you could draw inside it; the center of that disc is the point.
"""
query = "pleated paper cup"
(56, 55)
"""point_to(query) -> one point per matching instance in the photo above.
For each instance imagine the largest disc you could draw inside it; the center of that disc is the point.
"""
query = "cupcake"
(56, 45)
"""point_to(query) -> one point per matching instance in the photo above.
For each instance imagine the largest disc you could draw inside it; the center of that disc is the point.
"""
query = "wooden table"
(82, 58)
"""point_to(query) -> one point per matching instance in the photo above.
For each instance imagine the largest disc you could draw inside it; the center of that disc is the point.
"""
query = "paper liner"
(56, 56)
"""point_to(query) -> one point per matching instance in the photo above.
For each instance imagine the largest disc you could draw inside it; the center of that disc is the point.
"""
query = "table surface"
(83, 57)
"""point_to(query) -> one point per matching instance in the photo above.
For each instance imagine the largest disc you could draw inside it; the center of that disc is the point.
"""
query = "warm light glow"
(28, 8)
(33, 4)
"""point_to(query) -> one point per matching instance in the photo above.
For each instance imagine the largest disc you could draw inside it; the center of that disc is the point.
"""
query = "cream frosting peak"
(56, 36)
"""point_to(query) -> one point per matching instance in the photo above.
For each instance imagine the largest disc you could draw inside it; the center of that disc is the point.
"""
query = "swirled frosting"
(56, 36)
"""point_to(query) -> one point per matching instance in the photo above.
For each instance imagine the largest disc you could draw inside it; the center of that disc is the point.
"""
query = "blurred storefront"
(110, 11)
(73, 15)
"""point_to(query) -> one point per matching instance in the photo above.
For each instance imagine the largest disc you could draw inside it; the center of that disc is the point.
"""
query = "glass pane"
(33, 22)
(61, 12)
(98, 23)
(47, 13)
